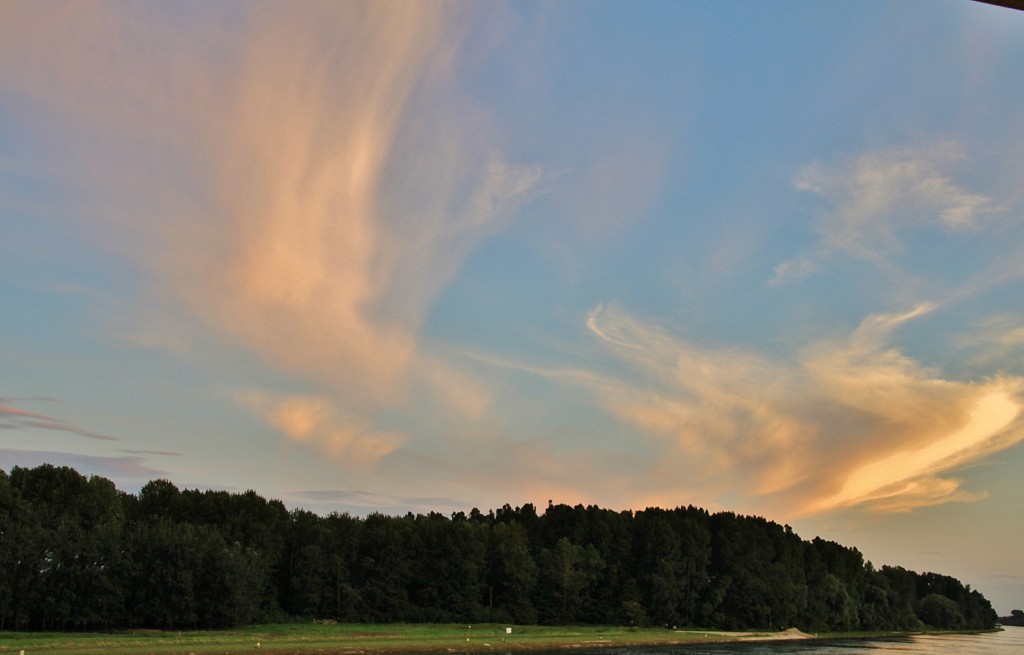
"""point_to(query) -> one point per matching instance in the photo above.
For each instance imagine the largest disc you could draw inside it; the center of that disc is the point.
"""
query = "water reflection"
(1008, 642)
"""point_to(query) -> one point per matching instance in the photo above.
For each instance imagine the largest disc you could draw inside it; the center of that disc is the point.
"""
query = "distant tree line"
(78, 554)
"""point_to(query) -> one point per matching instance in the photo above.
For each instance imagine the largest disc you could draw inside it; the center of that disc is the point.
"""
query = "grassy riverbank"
(349, 639)
(368, 639)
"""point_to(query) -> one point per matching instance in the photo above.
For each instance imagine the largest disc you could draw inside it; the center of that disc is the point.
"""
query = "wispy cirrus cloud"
(127, 472)
(878, 197)
(13, 417)
(996, 340)
(303, 180)
(852, 422)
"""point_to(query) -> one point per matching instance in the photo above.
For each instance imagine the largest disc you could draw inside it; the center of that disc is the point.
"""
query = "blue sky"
(762, 257)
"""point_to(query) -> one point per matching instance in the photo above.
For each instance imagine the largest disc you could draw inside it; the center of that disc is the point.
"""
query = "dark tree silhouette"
(77, 554)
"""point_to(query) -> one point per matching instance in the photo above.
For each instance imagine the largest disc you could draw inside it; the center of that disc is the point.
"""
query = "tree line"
(78, 554)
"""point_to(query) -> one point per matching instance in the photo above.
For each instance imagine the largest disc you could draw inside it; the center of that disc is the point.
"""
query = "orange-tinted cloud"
(303, 179)
(853, 422)
(314, 420)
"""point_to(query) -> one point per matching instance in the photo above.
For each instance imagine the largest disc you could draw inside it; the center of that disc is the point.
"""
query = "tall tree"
(568, 572)
(511, 574)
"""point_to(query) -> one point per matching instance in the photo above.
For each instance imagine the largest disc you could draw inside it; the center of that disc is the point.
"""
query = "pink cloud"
(14, 418)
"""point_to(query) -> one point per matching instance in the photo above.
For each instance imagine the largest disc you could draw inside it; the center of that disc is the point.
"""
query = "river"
(1008, 642)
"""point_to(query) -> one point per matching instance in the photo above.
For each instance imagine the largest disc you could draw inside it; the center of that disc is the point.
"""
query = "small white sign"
(508, 631)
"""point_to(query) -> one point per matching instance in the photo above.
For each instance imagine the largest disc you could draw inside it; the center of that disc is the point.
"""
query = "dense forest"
(78, 554)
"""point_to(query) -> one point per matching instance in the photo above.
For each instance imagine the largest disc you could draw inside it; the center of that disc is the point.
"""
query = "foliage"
(1016, 618)
(77, 554)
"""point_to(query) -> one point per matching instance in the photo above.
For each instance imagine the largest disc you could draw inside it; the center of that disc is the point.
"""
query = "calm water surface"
(1008, 642)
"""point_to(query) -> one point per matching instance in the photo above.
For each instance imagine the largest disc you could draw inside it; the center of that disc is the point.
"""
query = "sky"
(429, 256)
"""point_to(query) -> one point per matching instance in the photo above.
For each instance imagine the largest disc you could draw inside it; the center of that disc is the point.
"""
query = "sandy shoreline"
(792, 633)
(671, 638)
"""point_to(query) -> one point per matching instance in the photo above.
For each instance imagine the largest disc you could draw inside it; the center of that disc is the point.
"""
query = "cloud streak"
(997, 340)
(15, 418)
(852, 422)
(127, 472)
(303, 180)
